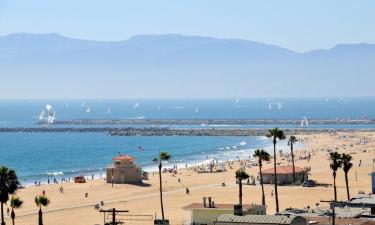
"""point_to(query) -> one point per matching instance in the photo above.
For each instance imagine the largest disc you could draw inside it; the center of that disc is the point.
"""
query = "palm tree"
(291, 141)
(8, 185)
(275, 134)
(346, 166)
(15, 203)
(40, 201)
(262, 156)
(241, 175)
(163, 156)
(336, 163)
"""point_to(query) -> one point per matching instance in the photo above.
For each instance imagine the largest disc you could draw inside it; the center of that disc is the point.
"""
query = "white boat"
(41, 115)
(279, 105)
(50, 117)
(135, 105)
(304, 122)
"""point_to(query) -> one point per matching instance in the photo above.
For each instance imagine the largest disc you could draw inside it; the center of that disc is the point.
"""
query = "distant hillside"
(50, 65)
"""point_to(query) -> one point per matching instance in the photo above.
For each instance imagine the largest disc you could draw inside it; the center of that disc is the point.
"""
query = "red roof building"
(124, 171)
(288, 169)
(123, 157)
(284, 175)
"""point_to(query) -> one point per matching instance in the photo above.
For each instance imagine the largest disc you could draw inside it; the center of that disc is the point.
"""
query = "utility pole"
(332, 203)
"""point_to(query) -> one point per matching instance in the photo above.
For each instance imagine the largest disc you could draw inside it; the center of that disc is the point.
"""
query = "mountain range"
(170, 65)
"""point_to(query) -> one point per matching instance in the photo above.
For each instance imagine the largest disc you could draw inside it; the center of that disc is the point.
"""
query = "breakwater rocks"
(206, 121)
(126, 131)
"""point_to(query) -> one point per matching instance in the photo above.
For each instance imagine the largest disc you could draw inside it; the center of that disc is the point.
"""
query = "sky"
(293, 24)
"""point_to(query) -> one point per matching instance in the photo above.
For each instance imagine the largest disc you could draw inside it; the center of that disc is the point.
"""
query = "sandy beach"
(72, 207)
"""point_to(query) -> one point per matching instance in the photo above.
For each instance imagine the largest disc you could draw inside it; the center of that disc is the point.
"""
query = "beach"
(72, 207)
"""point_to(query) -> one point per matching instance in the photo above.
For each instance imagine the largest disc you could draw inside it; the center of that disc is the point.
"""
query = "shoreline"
(239, 154)
(77, 209)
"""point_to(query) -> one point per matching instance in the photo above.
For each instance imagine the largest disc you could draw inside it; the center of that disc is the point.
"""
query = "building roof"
(340, 221)
(364, 200)
(257, 219)
(284, 170)
(245, 207)
(122, 157)
(346, 212)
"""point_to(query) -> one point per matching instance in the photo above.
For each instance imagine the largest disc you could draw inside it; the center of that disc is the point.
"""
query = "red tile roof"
(283, 170)
(122, 157)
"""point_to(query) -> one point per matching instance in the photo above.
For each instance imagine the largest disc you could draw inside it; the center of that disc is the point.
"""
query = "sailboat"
(109, 110)
(49, 118)
(196, 110)
(41, 116)
(304, 122)
(88, 110)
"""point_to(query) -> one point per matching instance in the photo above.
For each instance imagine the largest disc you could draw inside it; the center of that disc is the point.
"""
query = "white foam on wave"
(55, 173)
(243, 143)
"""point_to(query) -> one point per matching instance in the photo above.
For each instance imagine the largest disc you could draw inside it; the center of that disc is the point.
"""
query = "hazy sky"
(298, 25)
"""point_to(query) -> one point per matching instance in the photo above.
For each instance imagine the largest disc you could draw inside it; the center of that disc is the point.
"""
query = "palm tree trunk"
(334, 186)
(240, 191)
(274, 164)
(335, 198)
(261, 183)
(40, 216)
(294, 170)
(13, 215)
(2, 214)
(161, 192)
(347, 185)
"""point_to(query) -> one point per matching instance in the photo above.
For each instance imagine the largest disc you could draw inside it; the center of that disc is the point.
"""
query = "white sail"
(109, 110)
(196, 110)
(41, 115)
(51, 117)
(306, 122)
(136, 105)
(88, 110)
(302, 122)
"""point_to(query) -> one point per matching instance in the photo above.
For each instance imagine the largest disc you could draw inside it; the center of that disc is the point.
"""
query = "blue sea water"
(35, 156)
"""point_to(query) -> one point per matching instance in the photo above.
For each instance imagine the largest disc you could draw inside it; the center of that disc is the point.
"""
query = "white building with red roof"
(124, 171)
(284, 175)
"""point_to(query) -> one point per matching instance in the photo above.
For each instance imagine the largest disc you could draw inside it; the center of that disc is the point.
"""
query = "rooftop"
(288, 169)
(257, 219)
(364, 200)
(340, 221)
(245, 207)
(341, 212)
(123, 157)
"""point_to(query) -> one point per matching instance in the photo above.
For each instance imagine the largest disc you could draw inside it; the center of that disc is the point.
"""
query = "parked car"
(309, 183)
(79, 179)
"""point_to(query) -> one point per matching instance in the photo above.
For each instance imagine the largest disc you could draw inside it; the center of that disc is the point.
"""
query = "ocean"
(37, 156)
